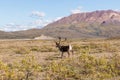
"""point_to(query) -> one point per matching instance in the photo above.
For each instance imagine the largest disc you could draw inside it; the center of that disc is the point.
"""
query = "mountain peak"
(100, 23)
(98, 16)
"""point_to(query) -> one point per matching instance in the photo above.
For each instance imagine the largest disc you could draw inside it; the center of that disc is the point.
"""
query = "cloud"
(58, 18)
(38, 23)
(118, 10)
(41, 23)
(38, 14)
(77, 10)
(15, 27)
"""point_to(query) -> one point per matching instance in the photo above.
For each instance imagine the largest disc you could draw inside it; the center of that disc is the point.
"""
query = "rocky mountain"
(104, 23)
(90, 17)
(96, 24)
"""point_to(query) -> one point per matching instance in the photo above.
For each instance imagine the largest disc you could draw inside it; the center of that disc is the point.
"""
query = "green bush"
(84, 67)
(26, 69)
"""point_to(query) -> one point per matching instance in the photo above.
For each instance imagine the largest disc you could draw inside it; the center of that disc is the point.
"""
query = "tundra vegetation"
(93, 59)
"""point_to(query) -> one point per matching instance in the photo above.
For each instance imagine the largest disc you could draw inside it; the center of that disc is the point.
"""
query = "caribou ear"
(59, 38)
(65, 39)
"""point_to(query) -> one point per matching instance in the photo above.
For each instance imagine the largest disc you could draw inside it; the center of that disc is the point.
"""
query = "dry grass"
(37, 59)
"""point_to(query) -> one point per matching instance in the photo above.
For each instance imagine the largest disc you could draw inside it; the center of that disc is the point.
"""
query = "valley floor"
(96, 59)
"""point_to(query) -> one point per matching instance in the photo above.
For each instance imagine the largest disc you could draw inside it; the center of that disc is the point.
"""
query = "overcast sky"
(25, 14)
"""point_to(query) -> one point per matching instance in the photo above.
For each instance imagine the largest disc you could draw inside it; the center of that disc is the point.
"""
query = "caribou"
(64, 48)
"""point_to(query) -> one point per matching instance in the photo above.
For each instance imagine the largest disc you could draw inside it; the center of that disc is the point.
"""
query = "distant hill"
(96, 24)
(24, 34)
(104, 23)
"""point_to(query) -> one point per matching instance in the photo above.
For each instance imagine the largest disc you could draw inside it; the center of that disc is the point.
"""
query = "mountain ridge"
(98, 16)
(95, 24)
(103, 23)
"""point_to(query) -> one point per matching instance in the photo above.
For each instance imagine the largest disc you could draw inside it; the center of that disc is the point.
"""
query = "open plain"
(93, 59)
